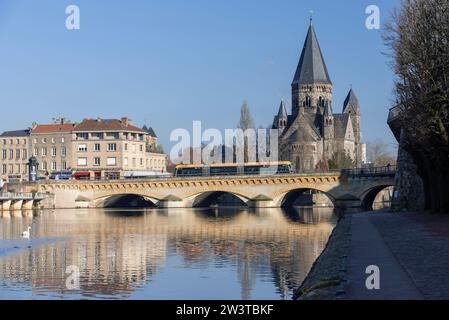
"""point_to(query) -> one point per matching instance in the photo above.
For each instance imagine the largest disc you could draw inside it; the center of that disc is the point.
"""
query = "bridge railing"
(394, 113)
(21, 196)
(387, 171)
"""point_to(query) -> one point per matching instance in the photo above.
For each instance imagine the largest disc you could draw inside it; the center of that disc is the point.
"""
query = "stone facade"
(14, 154)
(312, 134)
(51, 145)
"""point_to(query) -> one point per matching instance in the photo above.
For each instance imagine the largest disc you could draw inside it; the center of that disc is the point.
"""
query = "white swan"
(26, 234)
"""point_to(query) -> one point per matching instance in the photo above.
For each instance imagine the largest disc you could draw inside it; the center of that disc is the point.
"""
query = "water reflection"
(164, 254)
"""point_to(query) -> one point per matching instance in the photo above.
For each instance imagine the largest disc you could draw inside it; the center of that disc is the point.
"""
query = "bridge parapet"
(377, 172)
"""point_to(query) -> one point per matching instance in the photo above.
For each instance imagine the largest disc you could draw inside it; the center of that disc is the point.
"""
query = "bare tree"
(418, 39)
(378, 153)
(246, 122)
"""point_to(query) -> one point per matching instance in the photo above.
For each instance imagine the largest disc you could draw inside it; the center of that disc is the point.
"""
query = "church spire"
(311, 67)
(282, 114)
(351, 104)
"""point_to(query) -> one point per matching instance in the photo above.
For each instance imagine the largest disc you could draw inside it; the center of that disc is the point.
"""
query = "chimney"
(126, 121)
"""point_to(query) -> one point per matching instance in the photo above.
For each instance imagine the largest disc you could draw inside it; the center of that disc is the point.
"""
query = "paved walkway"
(368, 247)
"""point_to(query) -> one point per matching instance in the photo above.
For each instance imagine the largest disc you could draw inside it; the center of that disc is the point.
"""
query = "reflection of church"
(313, 134)
(117, 254)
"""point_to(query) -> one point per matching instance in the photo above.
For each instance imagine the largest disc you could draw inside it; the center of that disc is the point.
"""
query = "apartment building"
(51, 144)
(92, 149)
(113, 148)
(14, 155)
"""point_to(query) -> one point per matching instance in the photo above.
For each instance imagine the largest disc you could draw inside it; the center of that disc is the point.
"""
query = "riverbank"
(326, 279)
(410, 249)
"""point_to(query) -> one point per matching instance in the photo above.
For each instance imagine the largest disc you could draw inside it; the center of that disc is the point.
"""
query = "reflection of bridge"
(19, 201)
(349, 189)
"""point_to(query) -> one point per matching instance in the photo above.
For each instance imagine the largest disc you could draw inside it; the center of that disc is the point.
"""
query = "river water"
(161, 254)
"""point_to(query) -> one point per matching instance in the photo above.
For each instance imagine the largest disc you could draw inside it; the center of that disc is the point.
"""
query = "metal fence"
(387, 171)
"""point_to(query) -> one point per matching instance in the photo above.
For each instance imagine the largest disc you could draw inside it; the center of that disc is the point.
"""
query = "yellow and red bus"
(233, 169)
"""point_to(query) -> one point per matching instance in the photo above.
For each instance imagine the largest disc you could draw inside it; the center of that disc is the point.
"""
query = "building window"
(4, 169)
(126, 147)
(82, 136)
(35, 140)
(64, 165)
(11, 154)
(97, 161)
(63, 140)
(53, 166)
(82, 148)
(4, 154)
(44, 165)
(52, 140)
(63, 151)
(112, 147)
(24, 154)
(11, 169)
(36, 152)
(18, 154)
(125, 162)
(82, 162)
(97, 147)
(141, 148)
(112, 161)
(44, 140)
(18, 168)
(141, 161)
(53, 152)
(44, 152)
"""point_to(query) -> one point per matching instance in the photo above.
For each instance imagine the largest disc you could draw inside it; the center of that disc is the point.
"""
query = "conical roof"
(351, 103)
(311, 67)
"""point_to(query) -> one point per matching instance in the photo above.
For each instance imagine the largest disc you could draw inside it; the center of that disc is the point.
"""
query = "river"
(230, 253)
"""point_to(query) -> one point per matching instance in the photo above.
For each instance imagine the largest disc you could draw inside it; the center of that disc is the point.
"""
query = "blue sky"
(167, 63)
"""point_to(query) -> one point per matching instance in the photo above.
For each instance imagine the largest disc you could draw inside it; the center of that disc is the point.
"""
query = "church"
(313, 134)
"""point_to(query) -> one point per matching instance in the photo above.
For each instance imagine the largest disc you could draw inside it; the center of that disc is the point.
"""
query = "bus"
(233, 169)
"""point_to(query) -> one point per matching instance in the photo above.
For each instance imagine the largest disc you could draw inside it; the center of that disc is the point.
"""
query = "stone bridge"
(347, 189)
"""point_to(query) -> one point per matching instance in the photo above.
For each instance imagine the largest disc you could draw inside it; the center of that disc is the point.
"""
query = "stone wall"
(409, 188)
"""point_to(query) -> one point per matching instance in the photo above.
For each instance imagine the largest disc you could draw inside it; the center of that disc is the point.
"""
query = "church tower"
(328, 131)
(311, 87)
(281, 120)
(351, 106)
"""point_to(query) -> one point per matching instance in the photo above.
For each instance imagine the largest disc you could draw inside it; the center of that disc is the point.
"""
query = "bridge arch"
(369, 196)
(124, 200)
(287, 198)
(128, 201)
(208, 198)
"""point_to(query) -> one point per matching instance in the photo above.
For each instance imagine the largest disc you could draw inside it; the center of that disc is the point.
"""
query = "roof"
(311, 67)
(53, 128)
(282, 114)
(328, 110)
(16, 133)
(351, 103)
(341, 124)
(150, 131)
(106, 125)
